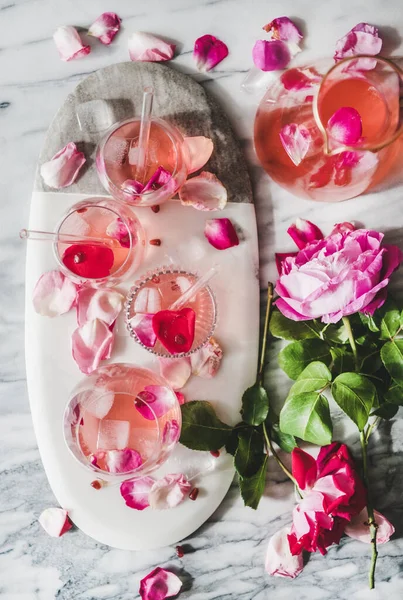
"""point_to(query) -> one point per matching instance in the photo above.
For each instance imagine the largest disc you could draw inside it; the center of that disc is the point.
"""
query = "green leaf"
(313, 378)
(369, 322)
(285, 441)
(390, 324)
(286, 329)
(307, 416)
(385, 411)
(335, 333)
(249, 455)
(295, 357)
(255, 405)
(232, 441)
(355, 394)
(252, 488)
(394, 395)
(392, 358)
(343, 360)
(201, 428)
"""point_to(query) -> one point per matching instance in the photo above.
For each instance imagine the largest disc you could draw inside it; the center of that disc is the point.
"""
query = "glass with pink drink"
(122, 420)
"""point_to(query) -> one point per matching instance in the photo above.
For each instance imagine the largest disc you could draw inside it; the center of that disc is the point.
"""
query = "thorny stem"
(371, 519)
(351, 339)
(266, 326)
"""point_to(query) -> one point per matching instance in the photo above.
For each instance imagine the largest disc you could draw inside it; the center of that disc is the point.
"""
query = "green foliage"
(295, 357)
(307, 416)
(355, 394)
(255, 405)
(201, 428)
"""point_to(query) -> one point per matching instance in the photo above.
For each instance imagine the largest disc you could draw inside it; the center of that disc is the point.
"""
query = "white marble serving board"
(52, 373)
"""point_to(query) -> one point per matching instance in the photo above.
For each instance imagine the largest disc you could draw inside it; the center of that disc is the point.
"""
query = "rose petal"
(343, 228)
(300, 79)
(208, 52)
(133, 187)
(169, 491)
(279, 560)
(176, 371)
(148, 301)
(62, 169)
(123, 461)
(271, 55)
(69, 44)
(159, 584)
(362, 39)
(284, 29)
(204, 192)
(303, 468)
(304, 232)
(172, 431)
(118, 230)
(199, 150)
(282, 263)
(154, 401)
(54, 294)
(55, 521)
(160, 178)
(358, 528)
(206, 361)
(135, 492)
(104, 304)
(180, 396)
(345, 125)
(296, 141)
(105, 27)
(175, 329)
(142, 325)
(89, 261)
(91, 343)
(149, 48)
(221, 233)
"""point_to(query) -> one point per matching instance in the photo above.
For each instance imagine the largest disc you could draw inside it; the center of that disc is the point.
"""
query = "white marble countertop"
(225, 558)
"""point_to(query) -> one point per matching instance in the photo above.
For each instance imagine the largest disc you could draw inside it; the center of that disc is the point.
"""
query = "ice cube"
(148, 301)
(94, 116)
(257, 81)
(191, 462)
(100, 404)
(116, 150)
(113, 435)
(183, 283)
(133, 152)
(77, 225)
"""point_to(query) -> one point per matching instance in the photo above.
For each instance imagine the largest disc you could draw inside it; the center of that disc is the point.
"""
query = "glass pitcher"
(301, 152)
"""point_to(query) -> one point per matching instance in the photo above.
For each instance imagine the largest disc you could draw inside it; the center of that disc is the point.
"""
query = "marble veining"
(224, 560)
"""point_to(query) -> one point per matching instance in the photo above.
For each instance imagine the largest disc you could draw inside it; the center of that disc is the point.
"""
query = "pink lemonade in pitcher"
(123, 420)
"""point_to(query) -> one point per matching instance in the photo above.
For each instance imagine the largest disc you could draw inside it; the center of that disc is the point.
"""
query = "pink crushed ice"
(148, 301)
(123, 461)
(199, 149)
(361, 39)
(206, 361)
(135, 492)
(118, 231)
(142, 325)
(271, 55)
(345, 126)
(296, 141)
(113, 434)
(69, 44)
(169, 491)
(63, 168)
(208, 52)
(54, 294)
(176, 371)
(204, 192)
(105, 27)
(91, 343)
(159, 584)
(98, 303)
(149, 48)
(154, 401)
(221, 233)
(171, 432)
(55, 521)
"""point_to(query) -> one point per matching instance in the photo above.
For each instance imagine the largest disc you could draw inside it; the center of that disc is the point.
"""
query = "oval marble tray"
(104, 97)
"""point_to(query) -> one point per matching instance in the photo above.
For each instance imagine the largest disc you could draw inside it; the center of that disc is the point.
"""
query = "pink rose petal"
(284, 29)
(133, 187)
(181, 397)
(206, 361)
(176, 371)
(159, 584)
(271, 55)
(142, 325)
(221, 233)
(304, 232)
(358, 528)
(204, 192)
(63, 168)
(123, 461)
(281, 261)
(343, 228)
(55, 521)
(300, 79)
(199, 149)
(105, 27)
(148, 301)
(172, 431)
(208, 52)
(69, 44)
(135, 492)
(154, 401)
(98, 303)
(279, 560)
(54, 294)
(160, 178)
(169, 491)
(296, 141)
(362, 39)
(118, 230)
(91, 343)
(345, 126)
(149, 48)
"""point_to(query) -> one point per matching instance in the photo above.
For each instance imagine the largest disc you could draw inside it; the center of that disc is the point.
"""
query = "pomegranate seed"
(155, 279)
(96, 484)
(156, 208)
(194, 493)
(155, 242)
(215, 453)
(79, 257)
(179, 551)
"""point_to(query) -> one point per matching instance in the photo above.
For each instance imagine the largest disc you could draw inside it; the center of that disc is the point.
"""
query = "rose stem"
(351, 339)
(259, 378)
(371, 518)
(276, 456)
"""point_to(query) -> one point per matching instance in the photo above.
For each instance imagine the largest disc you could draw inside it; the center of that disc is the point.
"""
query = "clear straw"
(62, 238)
(144, 136)
(192, 291)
